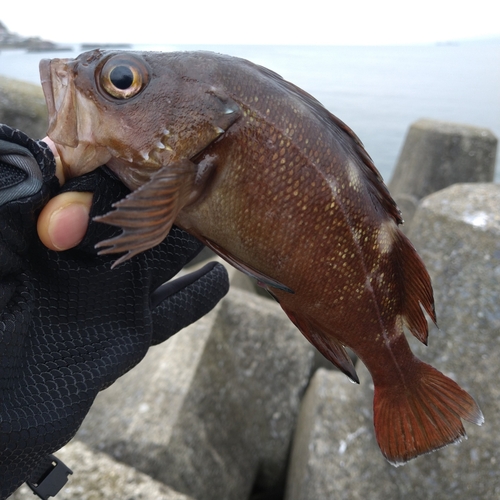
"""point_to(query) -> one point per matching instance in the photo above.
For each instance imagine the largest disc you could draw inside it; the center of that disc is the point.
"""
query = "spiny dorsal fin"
(349, 141)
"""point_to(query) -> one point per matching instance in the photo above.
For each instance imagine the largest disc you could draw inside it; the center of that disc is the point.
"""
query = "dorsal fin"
(348, 140)
(418, 295)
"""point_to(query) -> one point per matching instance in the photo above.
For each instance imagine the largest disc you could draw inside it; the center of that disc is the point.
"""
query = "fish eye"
(123, 76)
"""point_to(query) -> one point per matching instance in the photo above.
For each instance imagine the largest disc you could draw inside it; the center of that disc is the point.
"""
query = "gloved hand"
(69, 324)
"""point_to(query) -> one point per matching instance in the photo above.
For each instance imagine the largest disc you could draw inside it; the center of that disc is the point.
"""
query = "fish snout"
(57, 78)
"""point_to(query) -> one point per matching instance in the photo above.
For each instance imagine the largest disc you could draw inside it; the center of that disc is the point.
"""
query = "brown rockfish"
(263, 174)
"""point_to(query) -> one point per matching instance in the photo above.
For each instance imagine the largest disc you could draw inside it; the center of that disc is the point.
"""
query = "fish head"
(133, 111)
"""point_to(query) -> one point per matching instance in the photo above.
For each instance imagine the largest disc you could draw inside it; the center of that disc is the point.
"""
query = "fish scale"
(260, 172)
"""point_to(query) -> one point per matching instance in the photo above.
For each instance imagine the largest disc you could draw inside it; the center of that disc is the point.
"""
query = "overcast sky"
(345, 22)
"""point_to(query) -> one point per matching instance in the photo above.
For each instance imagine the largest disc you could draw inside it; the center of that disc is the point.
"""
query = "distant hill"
(9, 40)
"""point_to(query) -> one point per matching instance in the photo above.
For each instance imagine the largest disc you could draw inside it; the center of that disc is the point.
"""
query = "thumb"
(63, 222)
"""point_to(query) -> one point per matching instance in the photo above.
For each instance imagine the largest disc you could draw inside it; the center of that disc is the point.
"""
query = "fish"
(259, 171)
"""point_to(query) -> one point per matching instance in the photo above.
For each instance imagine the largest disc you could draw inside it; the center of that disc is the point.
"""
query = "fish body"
(264, 175)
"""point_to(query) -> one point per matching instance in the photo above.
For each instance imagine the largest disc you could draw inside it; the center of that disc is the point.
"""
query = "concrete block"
(436, 155)
(335, 455)
(22, 106)
(457, 233)
(210, 412)
(96, 476)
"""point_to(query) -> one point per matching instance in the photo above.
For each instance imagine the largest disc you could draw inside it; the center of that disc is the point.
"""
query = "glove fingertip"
(172, 287)
(187, 299)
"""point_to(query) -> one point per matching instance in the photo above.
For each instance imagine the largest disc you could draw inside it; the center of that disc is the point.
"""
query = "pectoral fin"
(147, 214)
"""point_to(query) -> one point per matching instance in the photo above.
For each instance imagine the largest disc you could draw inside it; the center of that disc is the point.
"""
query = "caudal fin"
(422, 416)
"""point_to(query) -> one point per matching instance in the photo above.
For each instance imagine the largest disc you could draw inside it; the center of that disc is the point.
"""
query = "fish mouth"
(58, 89)
(46, 80)
(78, 155)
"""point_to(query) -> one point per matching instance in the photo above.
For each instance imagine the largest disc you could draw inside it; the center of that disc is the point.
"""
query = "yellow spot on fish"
(385, 237)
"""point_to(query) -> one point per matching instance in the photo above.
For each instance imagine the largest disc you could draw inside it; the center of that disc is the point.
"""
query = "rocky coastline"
(9, 40)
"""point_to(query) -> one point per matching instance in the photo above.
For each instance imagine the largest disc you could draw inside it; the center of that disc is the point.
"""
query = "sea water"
(377, 91)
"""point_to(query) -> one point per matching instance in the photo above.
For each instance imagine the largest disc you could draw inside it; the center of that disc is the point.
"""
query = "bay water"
(378, 91)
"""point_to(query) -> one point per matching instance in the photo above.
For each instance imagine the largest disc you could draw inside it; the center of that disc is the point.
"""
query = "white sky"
(338, 22)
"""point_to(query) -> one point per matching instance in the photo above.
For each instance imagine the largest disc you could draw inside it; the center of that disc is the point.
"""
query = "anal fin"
(335, 352)
(326, 344)
(146, 215)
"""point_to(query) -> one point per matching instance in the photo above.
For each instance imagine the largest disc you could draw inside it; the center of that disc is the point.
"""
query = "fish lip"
(56, 76)
(48, 91)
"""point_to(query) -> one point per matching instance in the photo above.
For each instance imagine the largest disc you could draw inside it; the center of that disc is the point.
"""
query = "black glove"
(69, 324)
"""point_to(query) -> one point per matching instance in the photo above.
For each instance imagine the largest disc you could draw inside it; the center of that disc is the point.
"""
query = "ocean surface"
(377, 91)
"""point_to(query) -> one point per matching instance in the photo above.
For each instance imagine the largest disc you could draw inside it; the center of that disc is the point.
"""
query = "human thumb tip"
(62, 225)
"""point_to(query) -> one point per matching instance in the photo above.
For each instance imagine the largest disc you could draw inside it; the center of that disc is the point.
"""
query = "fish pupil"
(121, 77)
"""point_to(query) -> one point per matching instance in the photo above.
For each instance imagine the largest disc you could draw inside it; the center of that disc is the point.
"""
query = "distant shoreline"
(9, 40)
(90, 46)
(32, 45)
(44, 46)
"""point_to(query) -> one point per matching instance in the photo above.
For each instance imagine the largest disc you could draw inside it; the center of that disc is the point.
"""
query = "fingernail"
(68, 225)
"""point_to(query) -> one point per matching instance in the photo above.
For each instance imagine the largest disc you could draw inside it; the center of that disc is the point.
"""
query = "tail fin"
(421, 417)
